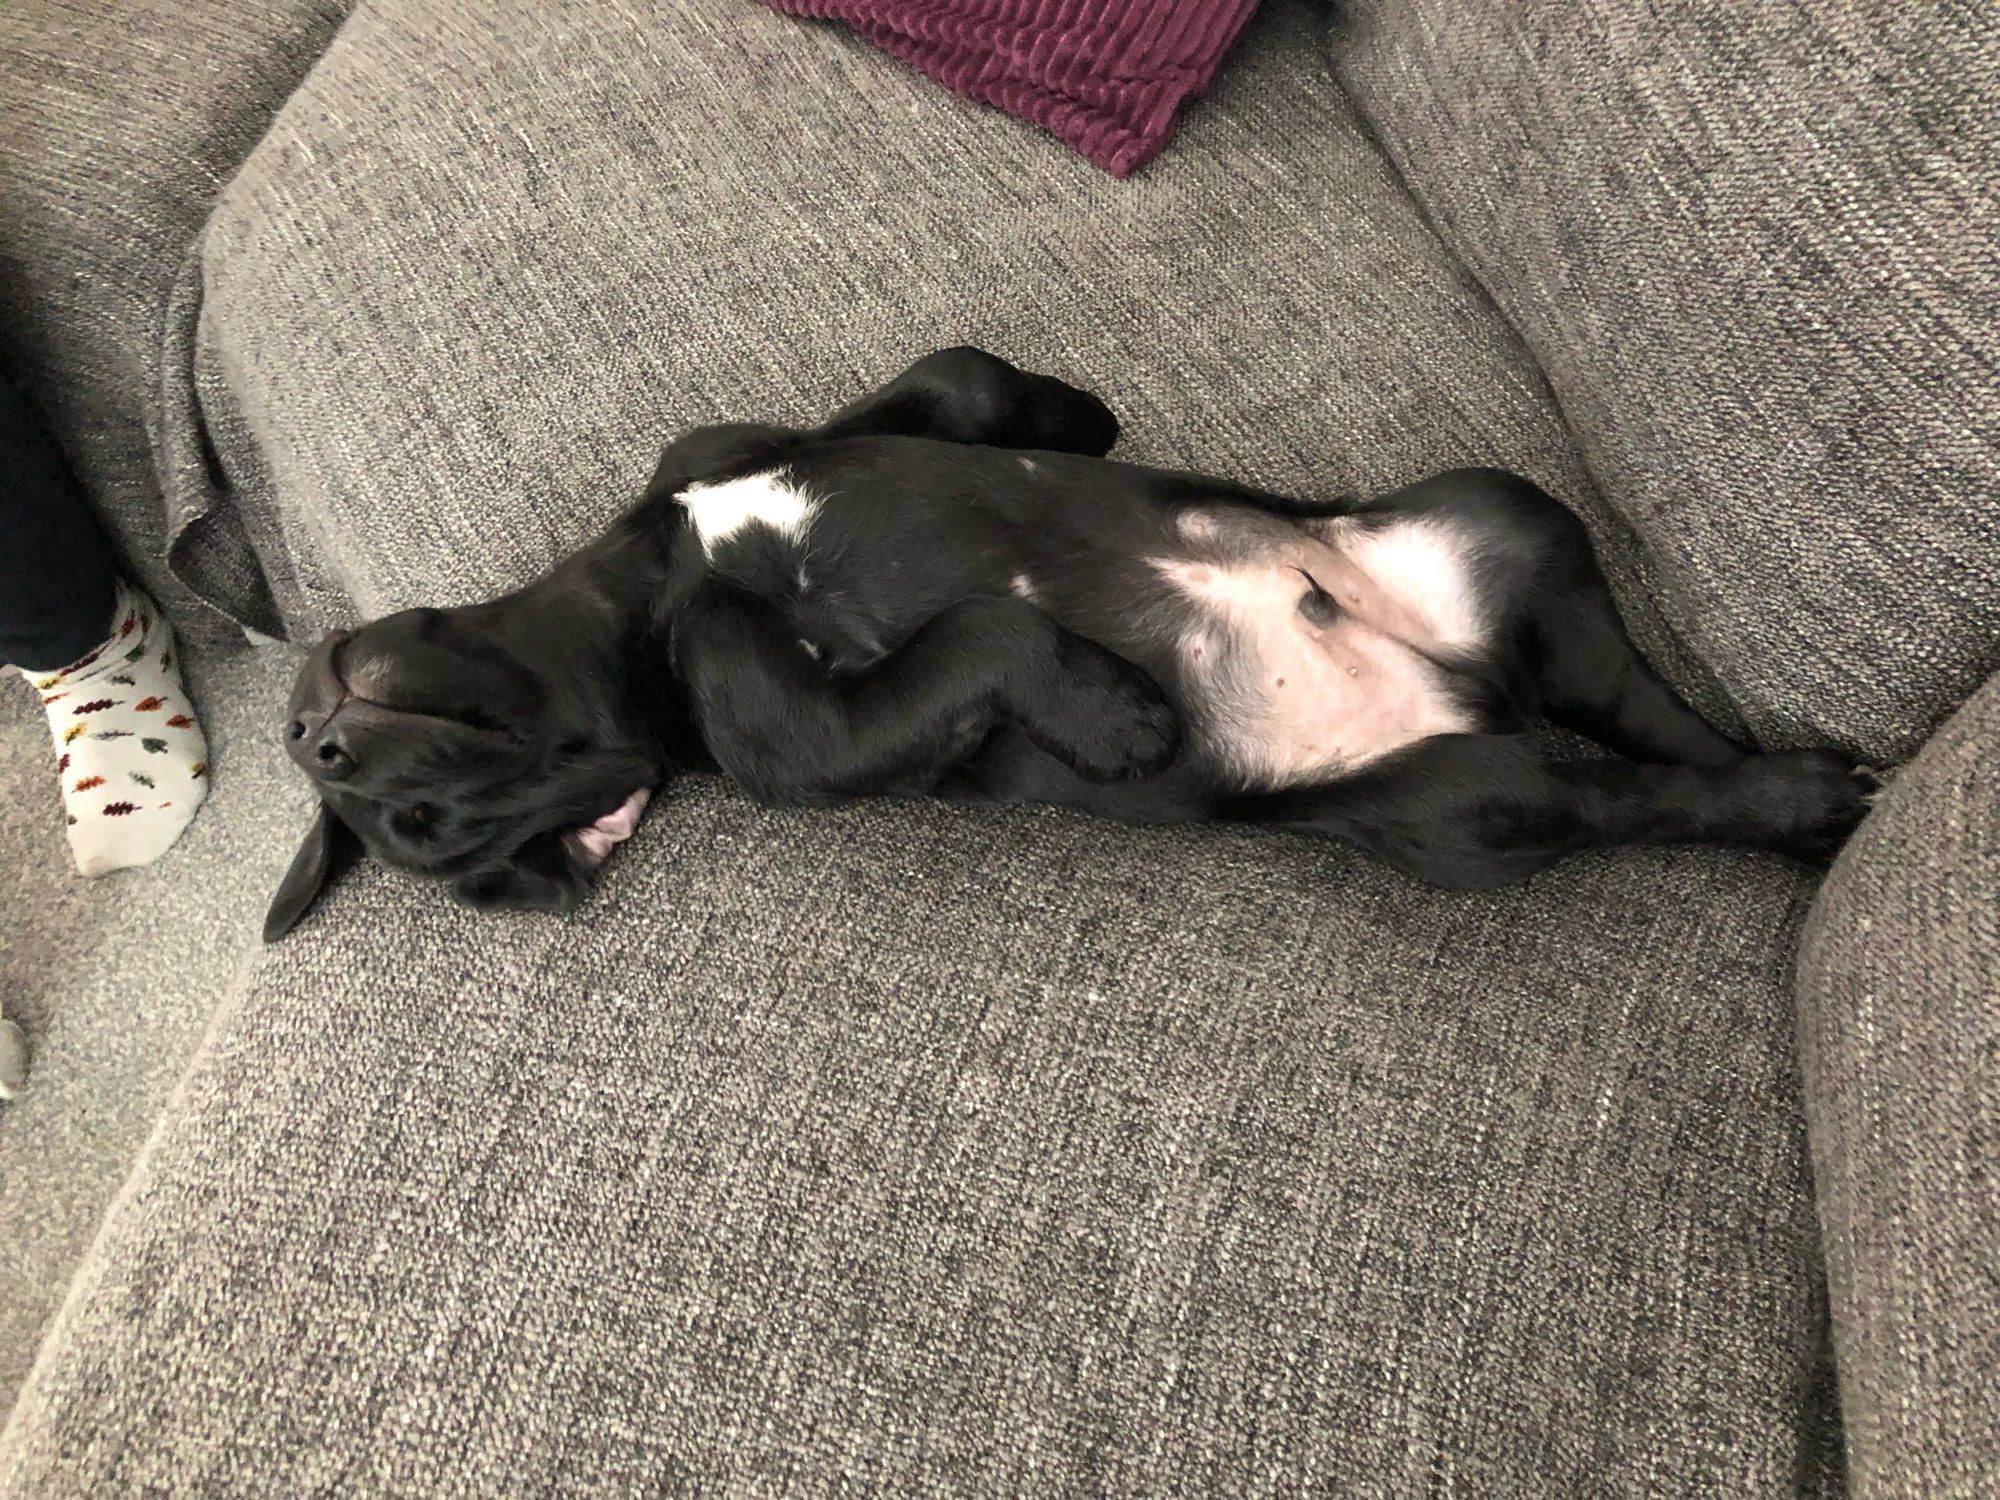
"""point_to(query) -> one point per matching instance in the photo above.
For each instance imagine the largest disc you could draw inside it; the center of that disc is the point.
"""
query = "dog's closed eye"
(485, 723)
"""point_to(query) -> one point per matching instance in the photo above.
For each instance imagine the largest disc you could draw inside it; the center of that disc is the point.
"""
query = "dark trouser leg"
(57, 576)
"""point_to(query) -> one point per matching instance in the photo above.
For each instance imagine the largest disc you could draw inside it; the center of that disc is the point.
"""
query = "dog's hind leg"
(1470, 812)
(965, 395)
(1554, 621)
(1592, 679)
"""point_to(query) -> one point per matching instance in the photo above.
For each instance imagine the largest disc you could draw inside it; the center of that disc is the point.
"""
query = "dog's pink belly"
(1275, 696)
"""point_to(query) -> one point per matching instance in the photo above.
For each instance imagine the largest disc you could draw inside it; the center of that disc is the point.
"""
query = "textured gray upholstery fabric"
(896, 1149)
(905, 1151)
(483, 265)
(1757, 250)
(117, 979)
(1899, 997)
(118, 122)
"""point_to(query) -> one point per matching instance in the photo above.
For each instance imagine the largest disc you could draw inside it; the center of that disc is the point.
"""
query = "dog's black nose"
(327, 755)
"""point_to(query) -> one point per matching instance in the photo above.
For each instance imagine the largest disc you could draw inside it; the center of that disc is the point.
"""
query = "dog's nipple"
(1316, 604)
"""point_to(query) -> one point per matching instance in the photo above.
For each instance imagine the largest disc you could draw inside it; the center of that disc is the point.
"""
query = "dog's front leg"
(961, 395)
(789, 731)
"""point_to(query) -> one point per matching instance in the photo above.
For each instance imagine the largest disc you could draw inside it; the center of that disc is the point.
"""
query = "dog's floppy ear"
(329, 848)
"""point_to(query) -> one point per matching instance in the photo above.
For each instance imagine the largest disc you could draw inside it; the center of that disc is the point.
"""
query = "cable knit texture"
(1107, 76)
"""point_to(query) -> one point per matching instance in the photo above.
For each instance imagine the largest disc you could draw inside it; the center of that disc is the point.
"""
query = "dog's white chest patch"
(721, 511)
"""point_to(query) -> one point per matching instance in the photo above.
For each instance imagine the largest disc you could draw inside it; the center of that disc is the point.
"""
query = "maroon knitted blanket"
(1107, 76)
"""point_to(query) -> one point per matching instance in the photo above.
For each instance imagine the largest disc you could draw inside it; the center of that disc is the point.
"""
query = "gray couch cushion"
(483, 265)
(1754, 249)
(118, 122)
(115, 980)
(1899, 994)
(910, 1152)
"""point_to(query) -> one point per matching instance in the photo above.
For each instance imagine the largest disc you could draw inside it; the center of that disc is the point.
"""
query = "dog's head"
(509, 771)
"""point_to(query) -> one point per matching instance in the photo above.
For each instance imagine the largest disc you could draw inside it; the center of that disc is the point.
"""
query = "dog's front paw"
(1813, 798)
(1104, 718)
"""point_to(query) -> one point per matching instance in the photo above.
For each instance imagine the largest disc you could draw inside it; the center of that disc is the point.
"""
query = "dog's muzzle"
(321, 742)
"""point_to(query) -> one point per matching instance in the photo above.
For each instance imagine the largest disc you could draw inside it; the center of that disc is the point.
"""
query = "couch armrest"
(1899, 988)
(119, 120)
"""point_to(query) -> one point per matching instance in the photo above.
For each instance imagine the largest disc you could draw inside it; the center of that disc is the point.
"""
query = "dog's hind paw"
(1814, 800)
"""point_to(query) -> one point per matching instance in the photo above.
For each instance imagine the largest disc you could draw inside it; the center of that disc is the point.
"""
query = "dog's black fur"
(477, 744)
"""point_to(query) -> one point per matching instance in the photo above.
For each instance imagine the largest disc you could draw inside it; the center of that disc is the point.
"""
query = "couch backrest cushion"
(481, 268)
(1754, 247)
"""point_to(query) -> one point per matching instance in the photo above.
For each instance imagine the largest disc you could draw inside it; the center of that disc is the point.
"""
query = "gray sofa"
(902, 1149)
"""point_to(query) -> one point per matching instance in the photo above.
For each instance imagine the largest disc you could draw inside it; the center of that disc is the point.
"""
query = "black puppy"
(947, 589)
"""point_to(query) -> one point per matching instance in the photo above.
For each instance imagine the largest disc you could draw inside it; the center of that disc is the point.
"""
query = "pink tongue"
(599, 838)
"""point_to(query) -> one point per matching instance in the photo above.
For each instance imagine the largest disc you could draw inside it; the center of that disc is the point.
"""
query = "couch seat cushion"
(1899, 1007)
(918, 1151)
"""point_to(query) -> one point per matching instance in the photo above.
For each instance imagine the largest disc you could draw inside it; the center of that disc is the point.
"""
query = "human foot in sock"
(133, 762)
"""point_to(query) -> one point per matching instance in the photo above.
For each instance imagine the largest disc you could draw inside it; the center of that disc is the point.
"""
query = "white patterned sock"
(133, 761)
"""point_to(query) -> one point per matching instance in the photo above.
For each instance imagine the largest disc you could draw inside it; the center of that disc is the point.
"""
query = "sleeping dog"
(947, 589)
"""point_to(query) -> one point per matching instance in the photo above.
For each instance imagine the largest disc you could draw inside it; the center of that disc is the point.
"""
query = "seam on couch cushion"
(208, 544)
